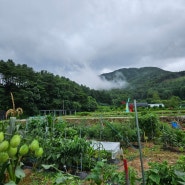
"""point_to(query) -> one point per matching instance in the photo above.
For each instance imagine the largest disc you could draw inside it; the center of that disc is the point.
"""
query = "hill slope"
(150, 78)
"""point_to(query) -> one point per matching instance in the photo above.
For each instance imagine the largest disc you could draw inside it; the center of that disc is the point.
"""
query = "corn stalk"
(13, 112)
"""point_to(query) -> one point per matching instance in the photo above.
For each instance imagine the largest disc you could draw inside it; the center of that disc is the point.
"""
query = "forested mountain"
(150, 83)
(147, 76)
(34, 91)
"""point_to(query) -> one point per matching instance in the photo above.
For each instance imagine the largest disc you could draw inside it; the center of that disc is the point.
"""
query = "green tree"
(91, 104)
(182, 92)
(174, 102)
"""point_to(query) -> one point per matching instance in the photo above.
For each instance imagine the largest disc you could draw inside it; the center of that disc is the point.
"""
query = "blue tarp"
(175, 125)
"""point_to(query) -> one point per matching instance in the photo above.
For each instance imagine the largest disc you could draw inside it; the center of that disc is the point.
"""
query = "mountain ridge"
(144, 74)
(142, 82)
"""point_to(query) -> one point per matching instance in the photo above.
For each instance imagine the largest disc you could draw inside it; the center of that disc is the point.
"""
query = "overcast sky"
(80, 39)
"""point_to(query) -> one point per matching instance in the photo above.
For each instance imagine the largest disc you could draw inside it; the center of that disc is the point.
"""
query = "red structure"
(131, 107)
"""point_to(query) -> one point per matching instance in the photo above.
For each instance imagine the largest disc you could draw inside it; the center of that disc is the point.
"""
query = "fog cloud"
(81, 39)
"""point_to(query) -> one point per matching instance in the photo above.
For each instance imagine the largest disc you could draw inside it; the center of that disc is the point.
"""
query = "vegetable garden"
(61, 152)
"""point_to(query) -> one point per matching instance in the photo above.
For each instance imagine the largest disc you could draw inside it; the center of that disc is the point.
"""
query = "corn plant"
(14, 111)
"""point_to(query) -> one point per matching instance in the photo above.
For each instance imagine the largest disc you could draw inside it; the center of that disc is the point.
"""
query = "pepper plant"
(104, 173)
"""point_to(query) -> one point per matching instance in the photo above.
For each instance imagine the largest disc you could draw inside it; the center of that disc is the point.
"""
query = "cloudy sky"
(80, 39)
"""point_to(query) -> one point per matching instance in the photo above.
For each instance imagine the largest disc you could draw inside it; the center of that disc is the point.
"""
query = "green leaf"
(10, 183)
(46, 167)
(180, 174)
(155, 178)
(182, 183)
(58, 155)
(181, 177)
(156, 171)
(19, 173)
(60, 179)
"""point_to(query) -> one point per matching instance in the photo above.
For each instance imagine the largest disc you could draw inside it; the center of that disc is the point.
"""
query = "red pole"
(126, 171)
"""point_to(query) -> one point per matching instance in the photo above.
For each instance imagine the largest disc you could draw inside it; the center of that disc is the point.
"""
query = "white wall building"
(156, 105)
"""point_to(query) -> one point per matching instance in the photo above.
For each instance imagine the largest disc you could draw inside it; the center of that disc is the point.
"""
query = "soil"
(150, 153)
(34, 176)
(27, 178)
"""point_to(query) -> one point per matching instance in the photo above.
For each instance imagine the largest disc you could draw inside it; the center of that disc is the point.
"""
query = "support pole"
(139, 142)
(126, 171)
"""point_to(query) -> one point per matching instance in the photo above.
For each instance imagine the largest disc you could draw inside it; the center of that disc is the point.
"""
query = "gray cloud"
(81, 39)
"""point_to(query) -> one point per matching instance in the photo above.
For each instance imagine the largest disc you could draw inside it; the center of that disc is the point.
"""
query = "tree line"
(34, 91)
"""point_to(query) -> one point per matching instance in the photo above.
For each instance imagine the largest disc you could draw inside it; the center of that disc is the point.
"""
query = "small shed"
(113, 147)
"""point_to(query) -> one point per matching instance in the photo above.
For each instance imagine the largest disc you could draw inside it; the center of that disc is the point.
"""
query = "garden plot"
(113, 147)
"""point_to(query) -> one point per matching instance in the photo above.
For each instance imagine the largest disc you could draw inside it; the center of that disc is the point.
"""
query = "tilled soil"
(149, 154)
